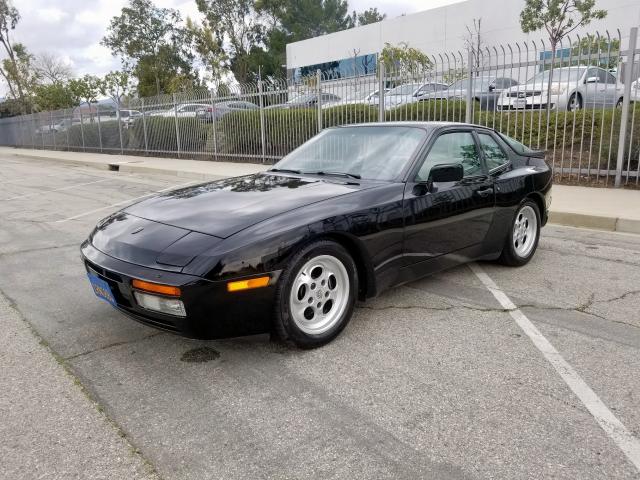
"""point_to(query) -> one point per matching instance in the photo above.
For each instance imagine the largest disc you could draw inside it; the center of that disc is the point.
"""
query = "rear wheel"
(316, 295)
(522, 241)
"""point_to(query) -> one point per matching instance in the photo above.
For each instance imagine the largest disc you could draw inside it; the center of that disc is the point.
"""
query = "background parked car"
(184, 110)
(60, 126)
(307, 100)
(206, 113)
(363, 97)
(572, 88)
(486, 90)
(127, 117)
(411, 92)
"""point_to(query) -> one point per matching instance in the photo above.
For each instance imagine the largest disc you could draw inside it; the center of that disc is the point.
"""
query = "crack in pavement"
(88, 393)
(436, 309)
(111, 345)
(585, 255)
(38, 249)
(581, 308)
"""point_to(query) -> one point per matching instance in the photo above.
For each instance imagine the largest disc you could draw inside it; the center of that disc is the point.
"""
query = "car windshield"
(359, 95)
(479, 83)
(516, 145)
(370, 152)
(306, 98)
(407, 89)
(560, 75)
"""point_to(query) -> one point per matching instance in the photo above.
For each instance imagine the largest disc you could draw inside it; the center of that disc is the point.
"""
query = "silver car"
(363, 97)
(572, 88)
(411, 93)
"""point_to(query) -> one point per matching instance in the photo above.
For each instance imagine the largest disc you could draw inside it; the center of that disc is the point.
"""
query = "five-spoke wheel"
(319, 295)
(522, 242)
(316, 294)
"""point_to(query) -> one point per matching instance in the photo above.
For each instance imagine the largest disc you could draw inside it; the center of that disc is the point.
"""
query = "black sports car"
(352, 212)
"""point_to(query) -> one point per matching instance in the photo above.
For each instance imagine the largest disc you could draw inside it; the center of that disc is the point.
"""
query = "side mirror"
(592, 80)
(446, 173)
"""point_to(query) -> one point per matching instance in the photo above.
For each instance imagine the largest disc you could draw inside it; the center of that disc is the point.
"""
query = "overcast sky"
(73, 28)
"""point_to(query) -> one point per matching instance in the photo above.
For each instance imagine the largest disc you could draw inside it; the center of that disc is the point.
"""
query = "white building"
(438, 31)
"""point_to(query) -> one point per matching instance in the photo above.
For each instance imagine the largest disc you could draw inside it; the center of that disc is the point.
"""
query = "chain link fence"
(581, 104)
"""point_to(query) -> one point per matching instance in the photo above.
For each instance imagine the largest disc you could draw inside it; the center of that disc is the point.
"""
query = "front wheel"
(575, 102)
(316, 295)
(522, 240)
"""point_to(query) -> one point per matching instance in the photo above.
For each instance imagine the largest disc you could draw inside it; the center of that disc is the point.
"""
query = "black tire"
(510, 255)
(578, 99)
(285, 326)
(619, 103)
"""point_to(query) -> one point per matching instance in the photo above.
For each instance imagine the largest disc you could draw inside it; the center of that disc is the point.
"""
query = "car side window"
(493, 154)
(609, 78)
(594, 72)
(452, 148)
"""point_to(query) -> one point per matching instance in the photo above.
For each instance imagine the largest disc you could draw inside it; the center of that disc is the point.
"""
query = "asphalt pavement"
(435, 379)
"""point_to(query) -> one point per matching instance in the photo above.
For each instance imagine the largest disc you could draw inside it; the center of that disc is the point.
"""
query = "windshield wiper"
(337, 174)
(285, 170)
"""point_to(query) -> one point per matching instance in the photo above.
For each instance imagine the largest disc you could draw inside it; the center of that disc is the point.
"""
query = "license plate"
(520, 103)
(101, 289)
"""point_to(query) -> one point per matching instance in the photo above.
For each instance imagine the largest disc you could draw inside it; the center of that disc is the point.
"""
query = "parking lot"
(434, 379)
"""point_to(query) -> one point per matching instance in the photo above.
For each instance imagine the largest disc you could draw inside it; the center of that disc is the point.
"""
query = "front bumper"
(212, 312)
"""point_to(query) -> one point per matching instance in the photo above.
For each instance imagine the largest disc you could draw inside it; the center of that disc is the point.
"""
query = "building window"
(347, 67)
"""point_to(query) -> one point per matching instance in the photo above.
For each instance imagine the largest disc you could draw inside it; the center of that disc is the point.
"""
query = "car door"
(594, 90)
(609, 86)
(451, 217)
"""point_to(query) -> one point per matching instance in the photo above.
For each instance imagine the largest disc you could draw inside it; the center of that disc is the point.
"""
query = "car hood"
(225, 207)
(532, 87)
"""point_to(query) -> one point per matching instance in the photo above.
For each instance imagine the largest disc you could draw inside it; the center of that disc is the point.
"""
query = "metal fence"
(581, 104)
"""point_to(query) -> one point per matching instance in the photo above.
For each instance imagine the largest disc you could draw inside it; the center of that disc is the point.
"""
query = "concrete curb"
(596, 222)
(126, 167)
(571, 219)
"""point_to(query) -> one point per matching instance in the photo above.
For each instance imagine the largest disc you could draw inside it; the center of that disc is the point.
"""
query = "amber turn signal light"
(238, 285)
(156, 288)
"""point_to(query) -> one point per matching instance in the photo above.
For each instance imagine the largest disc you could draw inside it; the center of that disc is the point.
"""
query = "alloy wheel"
(319, 294)
(525, 230)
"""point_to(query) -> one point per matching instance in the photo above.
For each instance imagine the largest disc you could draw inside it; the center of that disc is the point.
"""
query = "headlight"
(168, 306)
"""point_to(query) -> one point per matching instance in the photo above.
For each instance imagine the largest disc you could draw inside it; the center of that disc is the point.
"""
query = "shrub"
(92, 134)
(587, 137)
(162, 135)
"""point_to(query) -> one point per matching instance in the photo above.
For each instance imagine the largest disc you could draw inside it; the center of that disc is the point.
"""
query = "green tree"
(115, 85)
(85, 89)
(558, 18)
(149, 40)
(160, 70)
(236, 26)
(371, 15)
(20, 72)
(404, 59)
(207, 48)
(598, 49)
(303, 19)
(294, 20)
(53, 96)
(11, 67)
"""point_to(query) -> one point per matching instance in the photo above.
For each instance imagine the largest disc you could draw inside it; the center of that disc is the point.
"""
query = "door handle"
(484, 193)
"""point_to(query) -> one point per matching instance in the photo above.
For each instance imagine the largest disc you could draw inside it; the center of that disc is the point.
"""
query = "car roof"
(431, 126)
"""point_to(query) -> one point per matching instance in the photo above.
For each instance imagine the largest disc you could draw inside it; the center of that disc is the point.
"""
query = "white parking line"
(80, 215)
(43, 192)
(629, 444)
